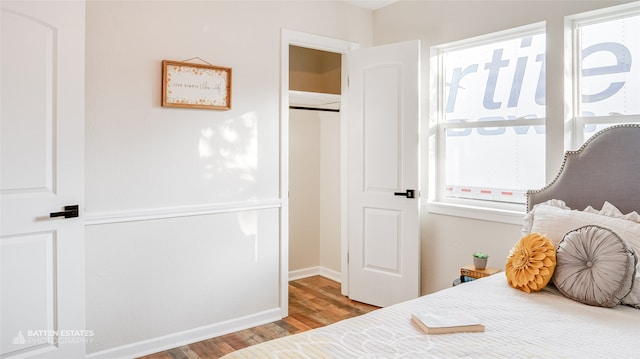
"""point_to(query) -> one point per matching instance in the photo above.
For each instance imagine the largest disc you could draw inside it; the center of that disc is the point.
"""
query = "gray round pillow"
(594, 266)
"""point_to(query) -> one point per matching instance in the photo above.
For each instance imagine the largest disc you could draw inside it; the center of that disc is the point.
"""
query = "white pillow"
(527, 221)
(612, 211)
(553, 221)
(608, 210)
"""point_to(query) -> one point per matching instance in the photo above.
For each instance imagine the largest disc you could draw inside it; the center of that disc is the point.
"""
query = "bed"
(592, 205)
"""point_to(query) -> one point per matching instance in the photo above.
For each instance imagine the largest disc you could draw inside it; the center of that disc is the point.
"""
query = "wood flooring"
(313, 302)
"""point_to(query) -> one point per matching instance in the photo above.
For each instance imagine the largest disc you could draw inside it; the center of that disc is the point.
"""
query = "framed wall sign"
(185, 84)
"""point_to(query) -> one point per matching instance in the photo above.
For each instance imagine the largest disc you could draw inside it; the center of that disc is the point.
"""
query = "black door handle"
(69, 212)
(410, 193)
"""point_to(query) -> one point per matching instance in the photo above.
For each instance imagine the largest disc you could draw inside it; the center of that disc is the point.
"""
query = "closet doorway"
(299, 268)
(388, 114)
(314, 162)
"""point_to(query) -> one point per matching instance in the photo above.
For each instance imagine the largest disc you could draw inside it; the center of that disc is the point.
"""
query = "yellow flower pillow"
(531, 263)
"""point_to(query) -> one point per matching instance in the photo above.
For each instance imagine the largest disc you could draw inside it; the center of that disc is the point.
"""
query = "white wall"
(447, 241)
(182, 205)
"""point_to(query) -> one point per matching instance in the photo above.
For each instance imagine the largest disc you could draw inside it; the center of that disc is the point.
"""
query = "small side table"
(470, 272)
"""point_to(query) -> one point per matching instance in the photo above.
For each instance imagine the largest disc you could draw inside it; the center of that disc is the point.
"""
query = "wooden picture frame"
(190, 85)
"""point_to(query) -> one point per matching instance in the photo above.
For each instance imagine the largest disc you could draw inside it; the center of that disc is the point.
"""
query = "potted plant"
(480, 260)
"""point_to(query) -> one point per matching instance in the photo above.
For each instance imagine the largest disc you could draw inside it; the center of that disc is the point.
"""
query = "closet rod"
(313, 108)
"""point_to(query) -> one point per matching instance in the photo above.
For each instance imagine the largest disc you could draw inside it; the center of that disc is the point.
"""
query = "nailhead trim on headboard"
(569, 153)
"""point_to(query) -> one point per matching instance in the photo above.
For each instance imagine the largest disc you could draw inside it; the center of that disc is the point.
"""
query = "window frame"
(579, 122)
(437, 201)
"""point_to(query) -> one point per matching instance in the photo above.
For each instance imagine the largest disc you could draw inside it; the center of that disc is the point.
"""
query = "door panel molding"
(32, 172)
(382, 84)
(28, 292)
(382, 240)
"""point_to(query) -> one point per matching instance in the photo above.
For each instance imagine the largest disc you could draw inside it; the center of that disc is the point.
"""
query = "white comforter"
(518, 325)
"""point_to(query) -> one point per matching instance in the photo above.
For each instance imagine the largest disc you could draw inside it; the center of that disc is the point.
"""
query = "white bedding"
(518, 325)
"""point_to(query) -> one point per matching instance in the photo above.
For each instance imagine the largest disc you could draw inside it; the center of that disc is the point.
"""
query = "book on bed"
(450, 322)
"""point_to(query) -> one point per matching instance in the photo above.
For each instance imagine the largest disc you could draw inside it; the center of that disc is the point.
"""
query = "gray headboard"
(605, 168)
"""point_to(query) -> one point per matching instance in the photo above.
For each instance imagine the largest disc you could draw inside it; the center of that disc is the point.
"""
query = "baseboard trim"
(319, 270)
(174, 340)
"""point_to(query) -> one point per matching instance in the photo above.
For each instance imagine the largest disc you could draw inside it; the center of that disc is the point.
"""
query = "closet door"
(383, 228)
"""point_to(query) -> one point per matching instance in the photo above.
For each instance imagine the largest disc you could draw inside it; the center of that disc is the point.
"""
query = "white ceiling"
(371, 4)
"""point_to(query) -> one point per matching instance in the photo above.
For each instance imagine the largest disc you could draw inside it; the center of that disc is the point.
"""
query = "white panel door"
(383, 228)
(42, 312)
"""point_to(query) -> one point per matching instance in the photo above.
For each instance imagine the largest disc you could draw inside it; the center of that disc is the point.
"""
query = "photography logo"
(53, 337)
(19, 338)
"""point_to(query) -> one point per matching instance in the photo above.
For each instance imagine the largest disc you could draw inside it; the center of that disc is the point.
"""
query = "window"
(488, 131)
(490, 119)
(607, 86)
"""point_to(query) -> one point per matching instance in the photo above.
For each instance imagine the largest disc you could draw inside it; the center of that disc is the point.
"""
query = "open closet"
(314, 162)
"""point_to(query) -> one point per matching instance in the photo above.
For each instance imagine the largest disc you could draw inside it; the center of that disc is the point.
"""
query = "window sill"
(474, 212)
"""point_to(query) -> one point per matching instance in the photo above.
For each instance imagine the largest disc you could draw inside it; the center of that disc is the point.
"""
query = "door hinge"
(347, 258)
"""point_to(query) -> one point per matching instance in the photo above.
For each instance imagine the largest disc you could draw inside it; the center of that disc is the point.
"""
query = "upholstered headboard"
(605, 168)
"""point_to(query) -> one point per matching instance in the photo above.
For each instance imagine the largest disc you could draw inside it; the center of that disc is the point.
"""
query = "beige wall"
(304, 189)
(314, 191)
(314, 167)
(314, 70)
(330, 191)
